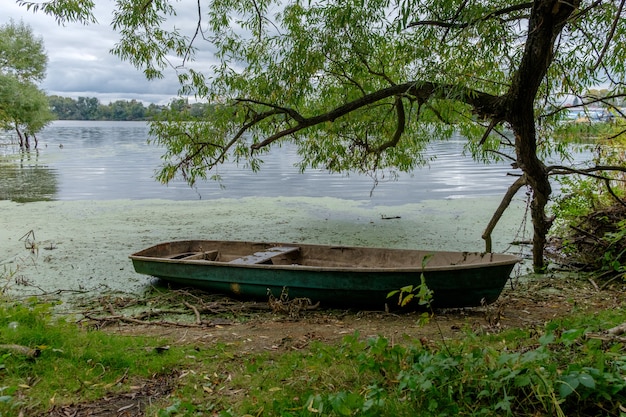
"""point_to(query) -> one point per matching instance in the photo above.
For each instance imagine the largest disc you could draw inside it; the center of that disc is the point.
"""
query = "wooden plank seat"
(205, 256)
(264, 256)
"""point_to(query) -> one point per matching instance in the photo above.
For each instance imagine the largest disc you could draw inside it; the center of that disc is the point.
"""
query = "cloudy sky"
(79, 62)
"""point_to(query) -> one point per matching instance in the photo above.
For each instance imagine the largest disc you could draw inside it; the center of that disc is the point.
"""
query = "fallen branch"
(105, 321)
(613, 334)
(22, 350)
(617, 330)
(195, 311)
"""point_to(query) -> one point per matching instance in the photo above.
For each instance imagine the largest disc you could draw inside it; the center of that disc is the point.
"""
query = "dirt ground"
(253, 327)
(521, 305)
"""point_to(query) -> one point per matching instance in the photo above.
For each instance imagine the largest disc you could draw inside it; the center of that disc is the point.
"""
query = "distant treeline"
(90, 108)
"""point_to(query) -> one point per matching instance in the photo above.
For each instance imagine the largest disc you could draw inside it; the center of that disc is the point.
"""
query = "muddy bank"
(79, 247)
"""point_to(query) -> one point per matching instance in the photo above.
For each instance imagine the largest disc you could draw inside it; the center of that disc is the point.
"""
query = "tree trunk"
(537, 177)
(541, 223)
(547, 19)
(19, 136)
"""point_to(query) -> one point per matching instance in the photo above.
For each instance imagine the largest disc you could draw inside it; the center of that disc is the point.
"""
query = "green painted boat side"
(335, 276)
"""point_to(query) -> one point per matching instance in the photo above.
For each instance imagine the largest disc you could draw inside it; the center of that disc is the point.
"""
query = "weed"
(590, 226)
(554, 370)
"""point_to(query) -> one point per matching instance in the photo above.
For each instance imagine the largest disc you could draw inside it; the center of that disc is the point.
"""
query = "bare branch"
(484, 104)
(609, 36)
(607, 183)
(506, 200)
(491, 126)
(277, 110)
(590, 172)
(453, 25)
(195, 35)
(621, 132)
(399, 129)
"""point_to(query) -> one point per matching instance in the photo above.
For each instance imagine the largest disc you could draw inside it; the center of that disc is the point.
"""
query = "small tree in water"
(23, 107)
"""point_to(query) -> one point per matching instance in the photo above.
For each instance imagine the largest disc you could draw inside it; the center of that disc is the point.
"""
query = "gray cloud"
(80, 64)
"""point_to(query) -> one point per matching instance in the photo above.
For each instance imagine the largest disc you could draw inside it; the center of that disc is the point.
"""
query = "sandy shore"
(83, 246)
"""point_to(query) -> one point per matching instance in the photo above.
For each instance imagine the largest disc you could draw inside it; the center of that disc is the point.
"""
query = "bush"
(590, 230)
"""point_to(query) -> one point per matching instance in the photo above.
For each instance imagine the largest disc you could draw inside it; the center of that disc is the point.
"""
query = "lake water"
(109, 205)
(83, 160)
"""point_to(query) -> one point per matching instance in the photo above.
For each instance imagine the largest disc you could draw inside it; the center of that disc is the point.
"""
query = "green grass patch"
(555, 370)
(69, 364)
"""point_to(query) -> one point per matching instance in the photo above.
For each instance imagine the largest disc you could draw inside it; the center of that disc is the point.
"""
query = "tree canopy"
(23, 106)
(364, 85)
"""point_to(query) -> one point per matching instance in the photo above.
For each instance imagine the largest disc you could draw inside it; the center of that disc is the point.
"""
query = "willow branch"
(399, 129)
(561, 170)
(224, 148)
(609, 36)
(453, 25)
(484, 104)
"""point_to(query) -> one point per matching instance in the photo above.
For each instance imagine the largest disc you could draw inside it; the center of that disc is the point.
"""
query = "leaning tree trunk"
(547, 20)
(537, 177)
(522, 120)
(19, 136)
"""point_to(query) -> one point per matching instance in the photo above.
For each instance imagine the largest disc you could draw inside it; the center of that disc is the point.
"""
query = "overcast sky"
(79, 62)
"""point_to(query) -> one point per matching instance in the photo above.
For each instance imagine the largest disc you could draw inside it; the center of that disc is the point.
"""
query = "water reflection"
(111, 160)
(24, 178)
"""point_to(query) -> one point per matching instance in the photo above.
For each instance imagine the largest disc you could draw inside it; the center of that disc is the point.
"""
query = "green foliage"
(22, 54)
(557, 370)
(421, 292)
(90, 108)
(591, 221)
(63, 10)
(69, 360)
(23, 106)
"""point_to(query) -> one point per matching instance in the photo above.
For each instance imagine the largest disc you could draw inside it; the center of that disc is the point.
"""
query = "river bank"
(78, 247)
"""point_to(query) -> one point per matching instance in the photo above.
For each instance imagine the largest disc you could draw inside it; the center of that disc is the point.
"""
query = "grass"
(556, 370)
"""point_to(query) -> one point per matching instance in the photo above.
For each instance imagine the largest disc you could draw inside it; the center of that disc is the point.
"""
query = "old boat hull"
(335, 276)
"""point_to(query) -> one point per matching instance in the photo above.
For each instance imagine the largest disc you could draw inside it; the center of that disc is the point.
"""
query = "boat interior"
(263, 253)
(278, 255)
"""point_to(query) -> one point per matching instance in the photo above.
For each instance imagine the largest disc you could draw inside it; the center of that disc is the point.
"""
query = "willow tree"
(23, 106)
(364, 85)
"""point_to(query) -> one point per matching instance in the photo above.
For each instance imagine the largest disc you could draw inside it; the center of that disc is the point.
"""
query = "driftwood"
(99, 319)
(506, 201)
(21, 350)
(168, 304)
(617, 330)
(614, 334)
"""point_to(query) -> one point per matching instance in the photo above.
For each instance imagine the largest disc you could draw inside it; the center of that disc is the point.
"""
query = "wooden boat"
(335, 276)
